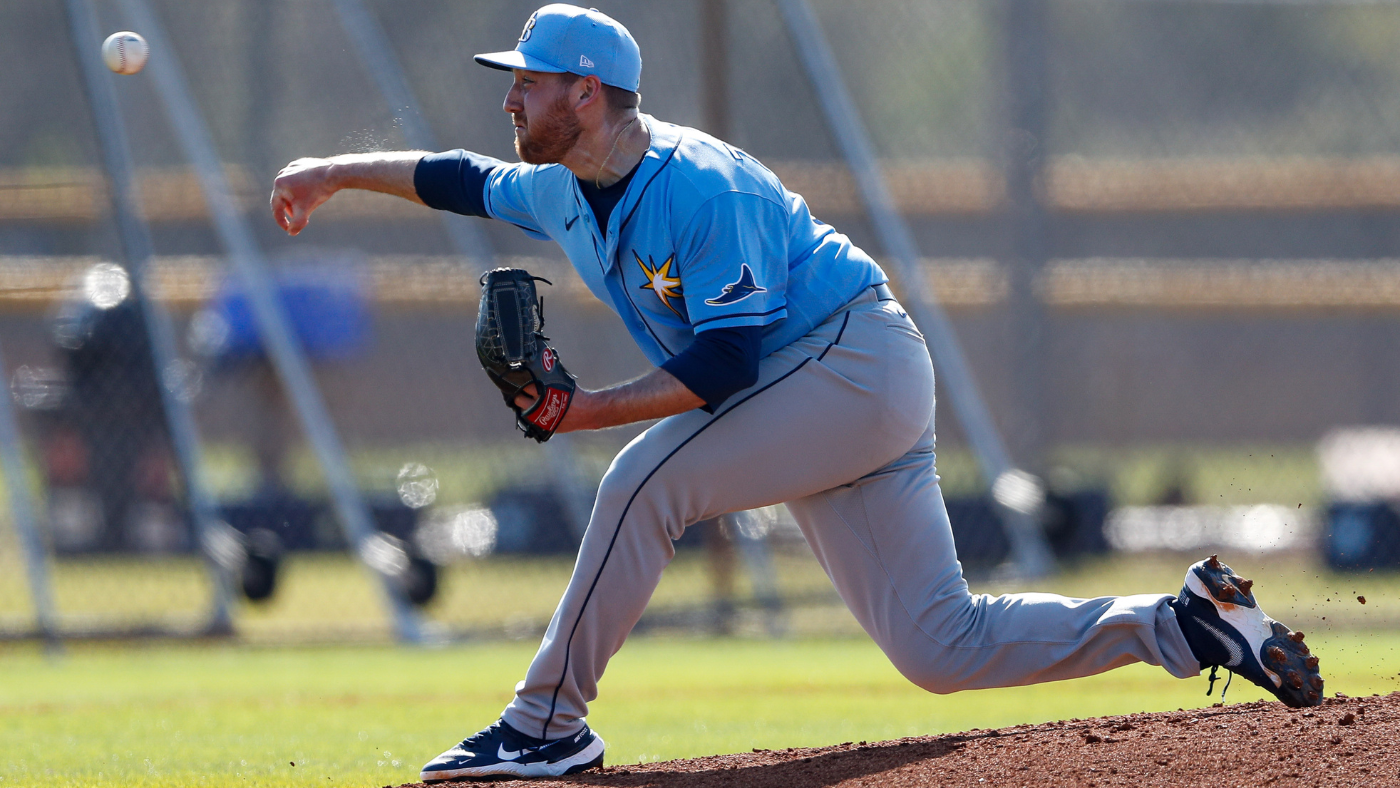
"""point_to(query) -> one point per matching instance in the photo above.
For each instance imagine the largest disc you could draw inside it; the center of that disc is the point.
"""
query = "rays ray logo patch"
(738, 291)
(660, 281)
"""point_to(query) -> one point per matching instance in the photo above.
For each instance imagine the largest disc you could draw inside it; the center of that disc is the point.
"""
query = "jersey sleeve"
(475, 185)
(454, 181)
(732, 259)
(512, 195)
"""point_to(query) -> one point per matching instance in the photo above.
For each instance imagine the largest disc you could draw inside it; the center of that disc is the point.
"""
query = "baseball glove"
(513, 352)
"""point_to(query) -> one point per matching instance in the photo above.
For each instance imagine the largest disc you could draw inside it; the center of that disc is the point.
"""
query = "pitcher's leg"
(822, 414)
(886, 543)
(616, 572)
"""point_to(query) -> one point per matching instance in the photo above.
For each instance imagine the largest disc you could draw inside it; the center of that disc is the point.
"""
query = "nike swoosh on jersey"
(1236, 653)
(569, 223)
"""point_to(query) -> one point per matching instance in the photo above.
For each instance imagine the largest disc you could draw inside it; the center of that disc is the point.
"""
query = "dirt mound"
(1346, 741)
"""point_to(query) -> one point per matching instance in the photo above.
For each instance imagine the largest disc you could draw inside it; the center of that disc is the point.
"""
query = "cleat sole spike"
(1220, 604)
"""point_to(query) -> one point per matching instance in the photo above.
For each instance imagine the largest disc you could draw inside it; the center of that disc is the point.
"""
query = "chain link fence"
(1214, 264)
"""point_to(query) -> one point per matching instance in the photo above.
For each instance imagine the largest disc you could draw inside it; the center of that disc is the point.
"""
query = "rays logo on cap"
(557, 36)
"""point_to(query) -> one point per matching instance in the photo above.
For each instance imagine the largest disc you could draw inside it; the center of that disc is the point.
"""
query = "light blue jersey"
(704, 237)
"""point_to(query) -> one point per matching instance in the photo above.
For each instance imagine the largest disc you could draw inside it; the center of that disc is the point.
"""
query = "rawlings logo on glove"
(512, 350)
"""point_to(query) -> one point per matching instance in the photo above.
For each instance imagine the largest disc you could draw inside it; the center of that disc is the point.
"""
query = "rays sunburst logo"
(661, 281)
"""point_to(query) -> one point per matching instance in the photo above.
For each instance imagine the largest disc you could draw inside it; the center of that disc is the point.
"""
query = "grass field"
(1236, 474)
(370, 715)
(330, 598)
(242, 713)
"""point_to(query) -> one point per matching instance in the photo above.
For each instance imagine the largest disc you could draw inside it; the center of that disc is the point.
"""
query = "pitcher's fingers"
(280, 210)
(526, 398)
(300, 215)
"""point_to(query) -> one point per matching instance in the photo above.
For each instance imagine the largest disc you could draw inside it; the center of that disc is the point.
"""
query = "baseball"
(125, 52)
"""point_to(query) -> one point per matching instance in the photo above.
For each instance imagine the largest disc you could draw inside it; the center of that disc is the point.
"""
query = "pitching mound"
(1346, 741)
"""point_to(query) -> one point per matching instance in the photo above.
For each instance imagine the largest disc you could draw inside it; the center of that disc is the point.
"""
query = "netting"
(1215, 268)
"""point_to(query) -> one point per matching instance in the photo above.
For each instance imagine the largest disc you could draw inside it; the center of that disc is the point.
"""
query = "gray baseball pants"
(840, 427)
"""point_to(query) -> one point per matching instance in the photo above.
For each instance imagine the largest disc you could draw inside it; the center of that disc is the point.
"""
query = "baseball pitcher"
(786, 372)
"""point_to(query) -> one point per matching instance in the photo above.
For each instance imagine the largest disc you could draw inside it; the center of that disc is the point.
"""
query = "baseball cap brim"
(513, 59)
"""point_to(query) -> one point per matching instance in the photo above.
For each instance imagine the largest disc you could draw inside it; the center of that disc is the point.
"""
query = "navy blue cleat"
(503, 750)
(1226, 629)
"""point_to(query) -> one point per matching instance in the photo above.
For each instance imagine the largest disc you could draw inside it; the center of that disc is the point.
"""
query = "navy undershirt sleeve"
(454, 181)
(719, 363)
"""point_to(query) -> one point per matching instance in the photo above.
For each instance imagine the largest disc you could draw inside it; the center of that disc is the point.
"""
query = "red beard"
(548, 139)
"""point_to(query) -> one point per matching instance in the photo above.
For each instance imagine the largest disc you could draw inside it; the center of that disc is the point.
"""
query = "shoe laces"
(480, 736)
(1213, 677)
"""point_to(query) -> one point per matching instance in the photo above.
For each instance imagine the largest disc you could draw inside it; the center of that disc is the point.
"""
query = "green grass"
(1226, 475)
(370, 716)
(1218, 475)
(331, 598)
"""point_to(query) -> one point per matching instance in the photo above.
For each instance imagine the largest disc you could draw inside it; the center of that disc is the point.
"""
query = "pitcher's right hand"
(299, 189)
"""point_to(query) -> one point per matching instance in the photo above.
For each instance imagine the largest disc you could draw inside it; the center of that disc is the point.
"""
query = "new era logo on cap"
(557, 36)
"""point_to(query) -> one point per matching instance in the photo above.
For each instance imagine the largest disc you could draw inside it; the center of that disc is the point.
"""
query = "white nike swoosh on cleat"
(1236, 653)
(510, 755)
(1249, 622)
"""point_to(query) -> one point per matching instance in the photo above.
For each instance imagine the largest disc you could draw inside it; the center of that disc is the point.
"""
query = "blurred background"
(1165, 233)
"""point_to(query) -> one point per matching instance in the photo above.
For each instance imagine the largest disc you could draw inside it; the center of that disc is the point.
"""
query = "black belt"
(883, 292)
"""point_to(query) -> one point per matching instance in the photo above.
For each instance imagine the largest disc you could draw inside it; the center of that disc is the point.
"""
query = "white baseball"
(125, 52)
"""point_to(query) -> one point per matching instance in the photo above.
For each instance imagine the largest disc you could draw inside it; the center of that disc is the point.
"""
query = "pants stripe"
(568, 644)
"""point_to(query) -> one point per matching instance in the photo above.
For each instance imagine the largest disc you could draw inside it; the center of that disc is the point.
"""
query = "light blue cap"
(585, 41)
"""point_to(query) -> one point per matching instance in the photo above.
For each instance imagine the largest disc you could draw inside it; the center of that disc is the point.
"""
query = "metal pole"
(382, 556)
(22, 510)
(718, 120)
(1030, 550)
(466, 235)
(374, 47)
(714, 66)
(750, 537)
(1023, 27)
(210, 533)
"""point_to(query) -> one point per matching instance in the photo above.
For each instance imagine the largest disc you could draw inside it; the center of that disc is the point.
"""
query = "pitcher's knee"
(926, 673)
(945, 657)
(626, 493)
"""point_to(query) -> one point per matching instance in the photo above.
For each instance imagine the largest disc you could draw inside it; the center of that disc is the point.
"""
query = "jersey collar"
(665, 137)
